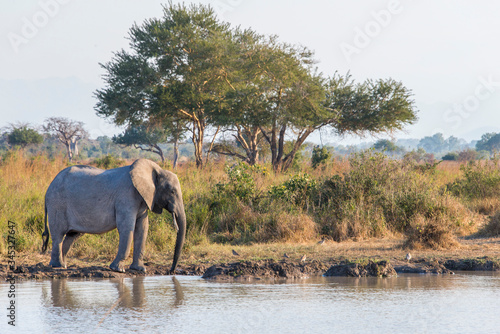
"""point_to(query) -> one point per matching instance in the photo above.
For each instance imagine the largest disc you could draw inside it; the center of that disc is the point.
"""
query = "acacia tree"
(68, 132)
(176, 72)
(279, 97)
(275, 93)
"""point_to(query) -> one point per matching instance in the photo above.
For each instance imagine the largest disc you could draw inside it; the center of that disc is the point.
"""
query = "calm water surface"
(461, 303)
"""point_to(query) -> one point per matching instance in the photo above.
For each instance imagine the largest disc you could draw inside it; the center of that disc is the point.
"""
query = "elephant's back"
(81, 179)
(70, 176)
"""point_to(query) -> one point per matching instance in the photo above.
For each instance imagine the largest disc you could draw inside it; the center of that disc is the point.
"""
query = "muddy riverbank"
(376, 257)
(262, 269)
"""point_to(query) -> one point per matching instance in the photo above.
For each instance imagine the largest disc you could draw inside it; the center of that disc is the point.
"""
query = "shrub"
(109, 161)
(451, 156)
(492, 229)
(241, 183)
(468, 155)
(434, 233)
(480, 180)
(377, 196)
(297, 190)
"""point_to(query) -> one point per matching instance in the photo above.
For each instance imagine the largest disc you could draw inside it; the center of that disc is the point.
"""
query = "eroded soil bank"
(263, 269)
(380, 257)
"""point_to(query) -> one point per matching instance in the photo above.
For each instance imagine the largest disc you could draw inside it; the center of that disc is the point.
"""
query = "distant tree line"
(136, 144)
(62, 136)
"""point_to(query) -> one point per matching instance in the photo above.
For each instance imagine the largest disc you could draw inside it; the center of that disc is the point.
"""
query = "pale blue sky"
(447, 52)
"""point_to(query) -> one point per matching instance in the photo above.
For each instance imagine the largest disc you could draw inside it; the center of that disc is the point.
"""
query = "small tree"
(489, 142)
(467, 155)
(145, 138)
(319, 156)
(433, 144)
(68, 132)
(23, 136)
(385, 145)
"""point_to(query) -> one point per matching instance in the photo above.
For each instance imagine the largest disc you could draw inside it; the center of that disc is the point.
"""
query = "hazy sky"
(446, 52)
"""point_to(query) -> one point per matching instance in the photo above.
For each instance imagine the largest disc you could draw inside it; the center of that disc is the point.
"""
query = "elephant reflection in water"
(62, 294)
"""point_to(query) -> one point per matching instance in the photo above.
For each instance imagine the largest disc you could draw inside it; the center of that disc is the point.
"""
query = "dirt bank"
(250, 270)
(268, 261)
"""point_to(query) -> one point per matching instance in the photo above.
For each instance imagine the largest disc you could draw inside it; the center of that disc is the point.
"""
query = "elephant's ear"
(143, 174)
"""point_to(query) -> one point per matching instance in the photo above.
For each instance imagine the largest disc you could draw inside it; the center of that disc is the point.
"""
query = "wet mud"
(255, 270)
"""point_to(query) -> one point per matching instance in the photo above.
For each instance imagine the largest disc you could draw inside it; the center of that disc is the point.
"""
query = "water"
(462, 303)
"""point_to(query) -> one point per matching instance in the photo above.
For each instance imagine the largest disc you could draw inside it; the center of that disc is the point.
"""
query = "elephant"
(84, 199)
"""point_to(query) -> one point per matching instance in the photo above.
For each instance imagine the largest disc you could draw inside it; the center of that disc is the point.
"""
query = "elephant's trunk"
(179, 220)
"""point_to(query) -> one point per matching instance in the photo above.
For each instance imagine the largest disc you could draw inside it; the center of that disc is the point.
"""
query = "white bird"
(408, 257)
(235, 253)
(303, 258)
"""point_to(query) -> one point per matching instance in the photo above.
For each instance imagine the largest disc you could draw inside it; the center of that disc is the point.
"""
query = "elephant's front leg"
(126, 231)
(140, 235)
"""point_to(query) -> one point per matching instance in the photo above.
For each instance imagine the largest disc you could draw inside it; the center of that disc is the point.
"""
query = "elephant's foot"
(57, 264)
(138, 266)
(117, 266)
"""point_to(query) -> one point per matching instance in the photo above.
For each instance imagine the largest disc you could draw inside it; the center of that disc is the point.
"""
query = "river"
(460, 303)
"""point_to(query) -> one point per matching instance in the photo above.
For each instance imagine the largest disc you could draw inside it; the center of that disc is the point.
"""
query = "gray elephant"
(85, 199)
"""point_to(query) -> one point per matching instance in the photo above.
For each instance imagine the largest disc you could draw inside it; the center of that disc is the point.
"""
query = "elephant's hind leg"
(69, 240)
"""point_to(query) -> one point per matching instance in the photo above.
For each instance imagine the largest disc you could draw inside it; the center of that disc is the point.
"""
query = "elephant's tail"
(45, 234)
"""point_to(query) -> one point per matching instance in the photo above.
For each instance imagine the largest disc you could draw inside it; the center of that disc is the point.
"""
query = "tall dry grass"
(365, 196)
(23, 183)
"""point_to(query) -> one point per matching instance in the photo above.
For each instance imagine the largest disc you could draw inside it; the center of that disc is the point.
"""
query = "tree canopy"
(190, 69)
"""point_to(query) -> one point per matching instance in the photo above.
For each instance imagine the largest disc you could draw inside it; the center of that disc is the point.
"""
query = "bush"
(378, 196)
(241, 183)
(468, 155)
(451, 156)
(109, 161)
(492, 229)
(434, 233)
(480, 180)
(297, 190)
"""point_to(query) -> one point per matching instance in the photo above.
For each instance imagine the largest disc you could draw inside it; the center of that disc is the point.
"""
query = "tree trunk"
(288, 158)
(70, 152)
(159, 151)
(74, 147)
(176, 153)
(211, 145)
(198, 133)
